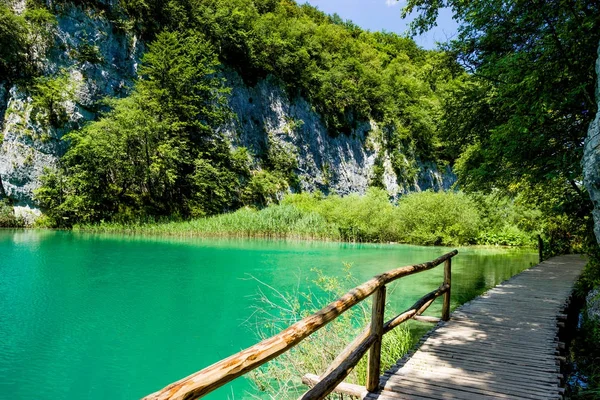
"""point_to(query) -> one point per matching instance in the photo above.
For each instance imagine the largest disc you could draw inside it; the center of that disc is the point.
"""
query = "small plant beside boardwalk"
(275, 311)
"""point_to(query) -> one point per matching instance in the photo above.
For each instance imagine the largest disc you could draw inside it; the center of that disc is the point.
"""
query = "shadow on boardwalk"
(501, 345)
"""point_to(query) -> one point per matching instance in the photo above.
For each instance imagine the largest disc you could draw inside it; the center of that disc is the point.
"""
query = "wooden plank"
(473, 382)
(501, 345)
(387, 395)
(464, 336)
(344, 388)
(507, 374)
(487, 363)
(514, 374)
(489, 351)
(426, 318)
(415, 309)
(454, 377)
(466, 391)
(447, 391)
(328, 383)
(464, 328)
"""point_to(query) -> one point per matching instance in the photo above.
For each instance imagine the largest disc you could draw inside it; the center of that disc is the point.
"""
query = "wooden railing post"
(447, 281)
(540, 248)
(374, 365)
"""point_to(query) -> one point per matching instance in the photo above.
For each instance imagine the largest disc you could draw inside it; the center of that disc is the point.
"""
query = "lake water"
(109, 317)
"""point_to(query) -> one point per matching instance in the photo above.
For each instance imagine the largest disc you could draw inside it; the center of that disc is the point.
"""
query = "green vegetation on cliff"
(24, 41)
(156, 151)
(159, 152)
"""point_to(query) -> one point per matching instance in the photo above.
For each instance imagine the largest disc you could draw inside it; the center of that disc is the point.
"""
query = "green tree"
(13, 44)
(49, 96)
(150, 155)
(524, 110)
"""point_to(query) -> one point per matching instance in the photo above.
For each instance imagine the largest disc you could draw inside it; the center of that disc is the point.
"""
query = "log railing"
(218, 374)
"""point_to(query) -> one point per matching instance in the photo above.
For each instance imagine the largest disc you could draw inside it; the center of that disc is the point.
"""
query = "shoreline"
(267, 237)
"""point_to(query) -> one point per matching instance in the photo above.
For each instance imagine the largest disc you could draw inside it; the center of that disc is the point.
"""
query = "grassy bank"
(425, 218)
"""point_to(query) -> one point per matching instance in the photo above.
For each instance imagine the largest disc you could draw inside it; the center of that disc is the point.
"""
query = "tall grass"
(276, 221)
(275, 311)
(420, 218)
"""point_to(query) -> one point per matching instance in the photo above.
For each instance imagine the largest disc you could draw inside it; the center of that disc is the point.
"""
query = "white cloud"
(391, 3)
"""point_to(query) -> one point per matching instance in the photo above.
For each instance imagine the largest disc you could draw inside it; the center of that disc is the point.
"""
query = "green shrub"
(263, 188)
(88, 53)
(425, 218)
(443, 218)
(49, 97)
(358, 218)
(8, 219)
(509, 235)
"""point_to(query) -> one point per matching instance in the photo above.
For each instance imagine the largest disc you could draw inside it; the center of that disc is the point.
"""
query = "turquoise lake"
(114, 317)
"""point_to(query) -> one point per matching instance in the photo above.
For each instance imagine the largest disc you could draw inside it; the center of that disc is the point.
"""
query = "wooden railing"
(218, 374)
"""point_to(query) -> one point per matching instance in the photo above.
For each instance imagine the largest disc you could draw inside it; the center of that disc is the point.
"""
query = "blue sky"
(377, 15)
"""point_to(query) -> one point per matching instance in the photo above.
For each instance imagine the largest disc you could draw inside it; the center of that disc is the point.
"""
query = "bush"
(8, 219)
(443, 218)
(50, 95)
(425, 218)
(358, 218)
(263, 189)
(506, 236)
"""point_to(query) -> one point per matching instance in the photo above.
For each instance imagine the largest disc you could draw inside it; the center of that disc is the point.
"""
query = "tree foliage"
(13, 39)
(518, 120)
(155, 152)
(24, 40)
(523, 112)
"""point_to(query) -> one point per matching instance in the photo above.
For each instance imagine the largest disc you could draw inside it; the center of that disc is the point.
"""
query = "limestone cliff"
(342, 164)
(591, 158)
(28, 145)
(100, 60)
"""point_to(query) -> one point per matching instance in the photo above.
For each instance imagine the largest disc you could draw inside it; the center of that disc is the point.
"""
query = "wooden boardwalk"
(501, 345)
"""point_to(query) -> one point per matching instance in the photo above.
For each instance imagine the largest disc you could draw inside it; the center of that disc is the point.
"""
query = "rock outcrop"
(591, 158)
(342, 164)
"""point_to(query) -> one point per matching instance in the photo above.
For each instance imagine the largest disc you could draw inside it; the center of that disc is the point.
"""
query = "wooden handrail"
(333, 375)
(218, 374)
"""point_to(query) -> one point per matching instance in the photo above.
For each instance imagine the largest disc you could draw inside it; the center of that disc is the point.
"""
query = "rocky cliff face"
(342, 164)
(29, 145)
(591, 158)
(100, 60)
